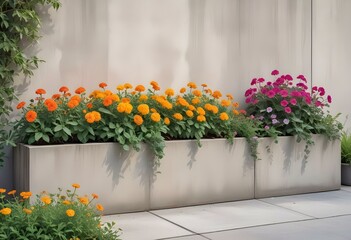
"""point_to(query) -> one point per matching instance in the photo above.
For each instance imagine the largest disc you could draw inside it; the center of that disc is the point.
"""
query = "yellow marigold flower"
(155, 117)
(12, 192)
(121, 107)
(208, 106)
(100, 95)
(216, 94)
(99, 207)
(115, 97)
(97, 116)
(66, 202)
(128, 86)
(224, 116)
(70, 212)
(214, 109)
(167, 121)
(95, 196)
(236, 104)
(25, 195)
(46, 200)
(195, 101)
(169, 92)
(191, 85)
(236, 112)
(153, 110)
(89, 117)
(189, 113)
(27, 211)
(208, 91)
(2, 190)
(143, 97)
(182, 102)
(120, 87)
(143, 109)
(225, 103)
(140, 88)
(138, 120)
(191, 107)
(6, 211)
(84, 200)
(182, 90)
(75, 185)
(72, 103)
(129, 108)
(201, 111)
(204, 85)
(178, 116)
(230, 97)
(197, 93)
(201, 118)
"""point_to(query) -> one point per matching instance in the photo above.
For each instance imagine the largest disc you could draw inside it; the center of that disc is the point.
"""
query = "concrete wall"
(224, 43)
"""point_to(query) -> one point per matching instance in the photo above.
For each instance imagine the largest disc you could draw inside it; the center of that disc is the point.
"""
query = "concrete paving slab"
(224, 216)
(337, 228)
(319, 205)
(192, 237)
(346, 188)
(145, 226)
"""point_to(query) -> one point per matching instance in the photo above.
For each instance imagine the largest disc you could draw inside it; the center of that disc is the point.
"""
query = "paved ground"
(315, 216)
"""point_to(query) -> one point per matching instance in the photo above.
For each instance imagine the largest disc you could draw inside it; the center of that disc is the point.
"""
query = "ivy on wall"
(19, 30)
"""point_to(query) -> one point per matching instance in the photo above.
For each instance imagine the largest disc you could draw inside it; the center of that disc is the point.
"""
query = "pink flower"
(302, 78)
(269, 83)
(288, 77)
(308, 99)
(301, 85)
(254, 81)
(293, 101)
(329, 98)
(284, 103)
(260, 80)
(248, 92)
(296, 94)
(264, 90)
(278, 82)
(271, 94)
(287, 109)
(321, 91)
(318, 104)
(314, 89)
(275, 72)
(284, 93)
(248, 100)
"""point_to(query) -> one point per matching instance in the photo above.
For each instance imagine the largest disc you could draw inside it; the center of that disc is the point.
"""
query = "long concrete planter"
(120, 178)
(215, 172)
(283, 171)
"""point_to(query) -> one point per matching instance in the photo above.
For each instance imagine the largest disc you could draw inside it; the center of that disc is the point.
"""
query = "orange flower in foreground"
(195, 101)
(99, 207)
(155, 117)
(143, 109)
(217, 94)
(6, 211)
(50, 104)
(138, 120)
(140, 88)
(102, 85)
(31, 116)
(89, 117)
(84, 200)
(76, 97)
(63, 89)
(25, 195)
(167, 121)
(70, 212)
(191, 85)
(201, 118)
(20, 105)
(79, 90)
(56, 96)
(201, 111)
(40, 91)
(95, 196)
(214, 109)
(72, 103)
(178, 116)
(2, 190)
(46, 200)
(107, 101)
(12, 192)
(75, 185)
(189, 113)
(224, 116)
(97, 116)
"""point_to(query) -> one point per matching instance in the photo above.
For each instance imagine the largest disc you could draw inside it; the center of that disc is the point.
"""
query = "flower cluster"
(287, 107)
(130, 115)
(53, 216)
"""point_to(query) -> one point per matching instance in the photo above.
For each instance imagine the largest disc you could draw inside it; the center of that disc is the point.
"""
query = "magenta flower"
(296, 94)
(271, 94)
(254, 81)
(293, 101)
(321, 91)
(318, 104)
(301, 85)
(287, 109)
(314, 89)
(284, 93)
(284, 103)
(269, 83)
(248, 100)
(248, 92)
(308, 99)
(329, 98)
(264, 90)
(260, 80)
(275, 72)
(288, 77)
(302, 78)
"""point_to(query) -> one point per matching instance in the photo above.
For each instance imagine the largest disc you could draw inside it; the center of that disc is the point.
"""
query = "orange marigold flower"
(236, 104)
(236, 112)
(224, 116)
(31, 116)
(56, 96)
(230, 97)
(115, 97)
(63, 89)
(128, 86)
(143, 109)
(99, 207)
(121, 107)
(89, 105)
(76, 97)
(191, 85)
(204, 85)
(140, 88)
(189, 113)
(25, 195)
(66, 202)
(95, 196)
(27, 211)
(75, 185)
(195, 101)
(12, 192)
(138, 120)
(169, 92)
(191, 107)
(67, 94)
(208, 106)
(46, 200)
(143, 97)
(40, 91)
(70, 212)
(166, 104)
(89, 117)
(72, 103)
(50, 104)
(201, 118)
(214, 109)
(182, 102)
(97, 116)
(108, 93)
(155, 85)
(197, 93)
(107, 101)
(20, 105)
(6, 211)
(126, 100)
(102, 85)
(217, 94)
(166, 121)
(242, 111)
(208, 91)
(178, 116)
(129, 108)
(84, 200)
(225, 103)
(2, 190)
(201, 111)
(155, 117)
(79, 90)
(120, 87)
(153, 110)
(182, 90)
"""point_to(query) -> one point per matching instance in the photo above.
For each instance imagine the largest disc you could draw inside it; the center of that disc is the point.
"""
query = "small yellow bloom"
(178, 116)
(99, 207)
(189, 113)
(201, 118)
(66, 202)
(169, 92)
(143, 109)
(12, 192)
(197, 93)
(84, 200)
(236, 112)
(191, 85)
(46, 200)
(225, 103)
(143, 97)
(224, 116)
(28, 211)
(120, 87)
(138, 120)
(195, 101)
(191, 107)
(75, 185)
(182, 90)
(201, 111)
(6, 211)
(217, 94)
(2, 190)
(167, 121)
(128, 86)
(155, 117)
(70, 212)
(25, 195)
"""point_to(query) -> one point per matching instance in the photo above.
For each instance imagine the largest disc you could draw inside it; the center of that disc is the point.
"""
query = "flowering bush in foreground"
(286, 108)
(53, 216)
(131, 115)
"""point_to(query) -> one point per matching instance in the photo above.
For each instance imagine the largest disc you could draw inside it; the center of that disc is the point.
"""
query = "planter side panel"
(120, 178)
(283, 171)
(191, 175)
(346, 174)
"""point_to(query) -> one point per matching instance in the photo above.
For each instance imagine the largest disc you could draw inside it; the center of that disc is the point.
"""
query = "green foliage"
(346, 148)
(19, 30)
(53, 216)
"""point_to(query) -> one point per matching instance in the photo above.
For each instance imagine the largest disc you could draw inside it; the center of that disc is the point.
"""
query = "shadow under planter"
(282, 169)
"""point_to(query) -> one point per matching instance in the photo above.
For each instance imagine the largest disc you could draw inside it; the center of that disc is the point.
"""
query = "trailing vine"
(19, 30)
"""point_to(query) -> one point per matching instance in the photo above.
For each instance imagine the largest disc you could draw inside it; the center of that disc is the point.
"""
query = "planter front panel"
(215, 172)
(283, 171)
(119, 177)
(346, 174)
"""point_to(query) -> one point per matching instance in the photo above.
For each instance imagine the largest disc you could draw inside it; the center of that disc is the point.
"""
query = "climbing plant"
(19, 30)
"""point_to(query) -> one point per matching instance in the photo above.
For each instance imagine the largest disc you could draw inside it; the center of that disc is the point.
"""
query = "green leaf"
(46, 138)
(58, 128)
(104, 110)
(38, 136)
(126, 147)
(67, 131)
